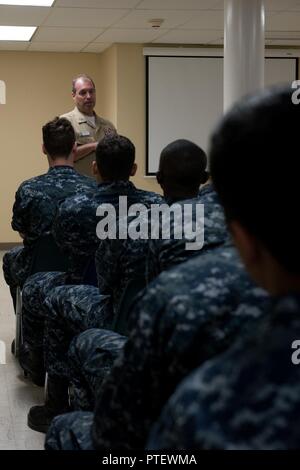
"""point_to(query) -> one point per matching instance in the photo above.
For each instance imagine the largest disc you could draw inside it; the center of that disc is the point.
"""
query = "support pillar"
(244, 44)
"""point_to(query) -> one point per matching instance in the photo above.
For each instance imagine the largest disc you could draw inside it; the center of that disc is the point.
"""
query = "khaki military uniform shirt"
(87, 132)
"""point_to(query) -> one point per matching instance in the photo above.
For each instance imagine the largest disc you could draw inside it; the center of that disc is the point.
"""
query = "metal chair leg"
(18, 338)
(46, 388)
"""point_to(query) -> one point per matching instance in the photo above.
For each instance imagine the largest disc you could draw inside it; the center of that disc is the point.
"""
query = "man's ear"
(74, 149)
(247, 245)
(95, 169)
(159, 178)
(133, 169)
(44, 149)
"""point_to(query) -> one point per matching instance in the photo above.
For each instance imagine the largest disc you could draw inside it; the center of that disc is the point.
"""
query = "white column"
(244, 31)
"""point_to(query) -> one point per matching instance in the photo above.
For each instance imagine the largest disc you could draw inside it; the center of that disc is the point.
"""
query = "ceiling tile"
(140, 18)
(84, 17)
(283, 42)
(283, 35)
(14, 45)
(22, 16)
(74, 25)
(206, 19)
(280, 5)
(287, 21)
(96, 47)
(190, 36)
(217, 42)
(97, 3)
(129, 35)
(57, 46)
(218, 6)
(295, 7)
(269, 17)
(46, 34)
(180, 4)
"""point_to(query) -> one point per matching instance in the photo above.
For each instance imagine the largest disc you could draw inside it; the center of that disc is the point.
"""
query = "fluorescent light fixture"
(32, 3)
(16, 33)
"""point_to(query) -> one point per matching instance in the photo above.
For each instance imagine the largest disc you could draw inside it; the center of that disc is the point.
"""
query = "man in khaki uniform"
(88, 126)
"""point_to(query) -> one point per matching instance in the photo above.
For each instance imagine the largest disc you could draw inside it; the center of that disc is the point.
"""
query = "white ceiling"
(93, 25)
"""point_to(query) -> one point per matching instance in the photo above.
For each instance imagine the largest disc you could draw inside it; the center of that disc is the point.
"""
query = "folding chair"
(129, 297)
(90, 273)
(46, 257)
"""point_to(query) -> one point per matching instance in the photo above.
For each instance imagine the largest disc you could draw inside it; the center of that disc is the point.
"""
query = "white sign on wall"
(2, 92)
(2, 352)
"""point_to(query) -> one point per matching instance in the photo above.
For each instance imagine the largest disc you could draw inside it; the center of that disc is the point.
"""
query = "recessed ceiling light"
(16, 33)
(33, 3)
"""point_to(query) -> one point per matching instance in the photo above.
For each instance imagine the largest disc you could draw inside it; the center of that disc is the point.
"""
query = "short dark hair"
(183, 165)
(115, 155)
(254, 166)
(58, 137)
(84, 77)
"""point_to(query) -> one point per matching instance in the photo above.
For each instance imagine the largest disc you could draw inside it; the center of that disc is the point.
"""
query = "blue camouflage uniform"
(249, 398)
(187, 315)
(75, 307)
(117, 262)
(64, 427)
(34, 210)
(91, 356)
(129, 256)
(74, 228)
(165, 253)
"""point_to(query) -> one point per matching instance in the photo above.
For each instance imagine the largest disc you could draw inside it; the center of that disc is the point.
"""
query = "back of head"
(253, 162)
(182, 168)
(58, 138)
(115, 157)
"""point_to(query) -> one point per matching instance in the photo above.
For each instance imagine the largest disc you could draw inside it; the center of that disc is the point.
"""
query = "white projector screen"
(185, 98)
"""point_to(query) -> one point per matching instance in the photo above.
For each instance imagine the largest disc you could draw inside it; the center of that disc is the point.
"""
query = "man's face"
(85, 96)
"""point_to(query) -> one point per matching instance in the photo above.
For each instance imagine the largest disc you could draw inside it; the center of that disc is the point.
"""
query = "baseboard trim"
(8, 246)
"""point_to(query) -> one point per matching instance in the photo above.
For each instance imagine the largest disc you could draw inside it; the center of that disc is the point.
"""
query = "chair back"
(47, 256)
(129, 297)
(90, 274)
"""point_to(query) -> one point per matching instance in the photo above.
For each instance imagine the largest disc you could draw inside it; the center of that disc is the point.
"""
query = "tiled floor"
(17, 394)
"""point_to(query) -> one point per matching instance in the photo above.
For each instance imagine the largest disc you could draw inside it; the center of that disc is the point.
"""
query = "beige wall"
(131, 97)
(124, 100)
(107, 92)
(38, 88)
